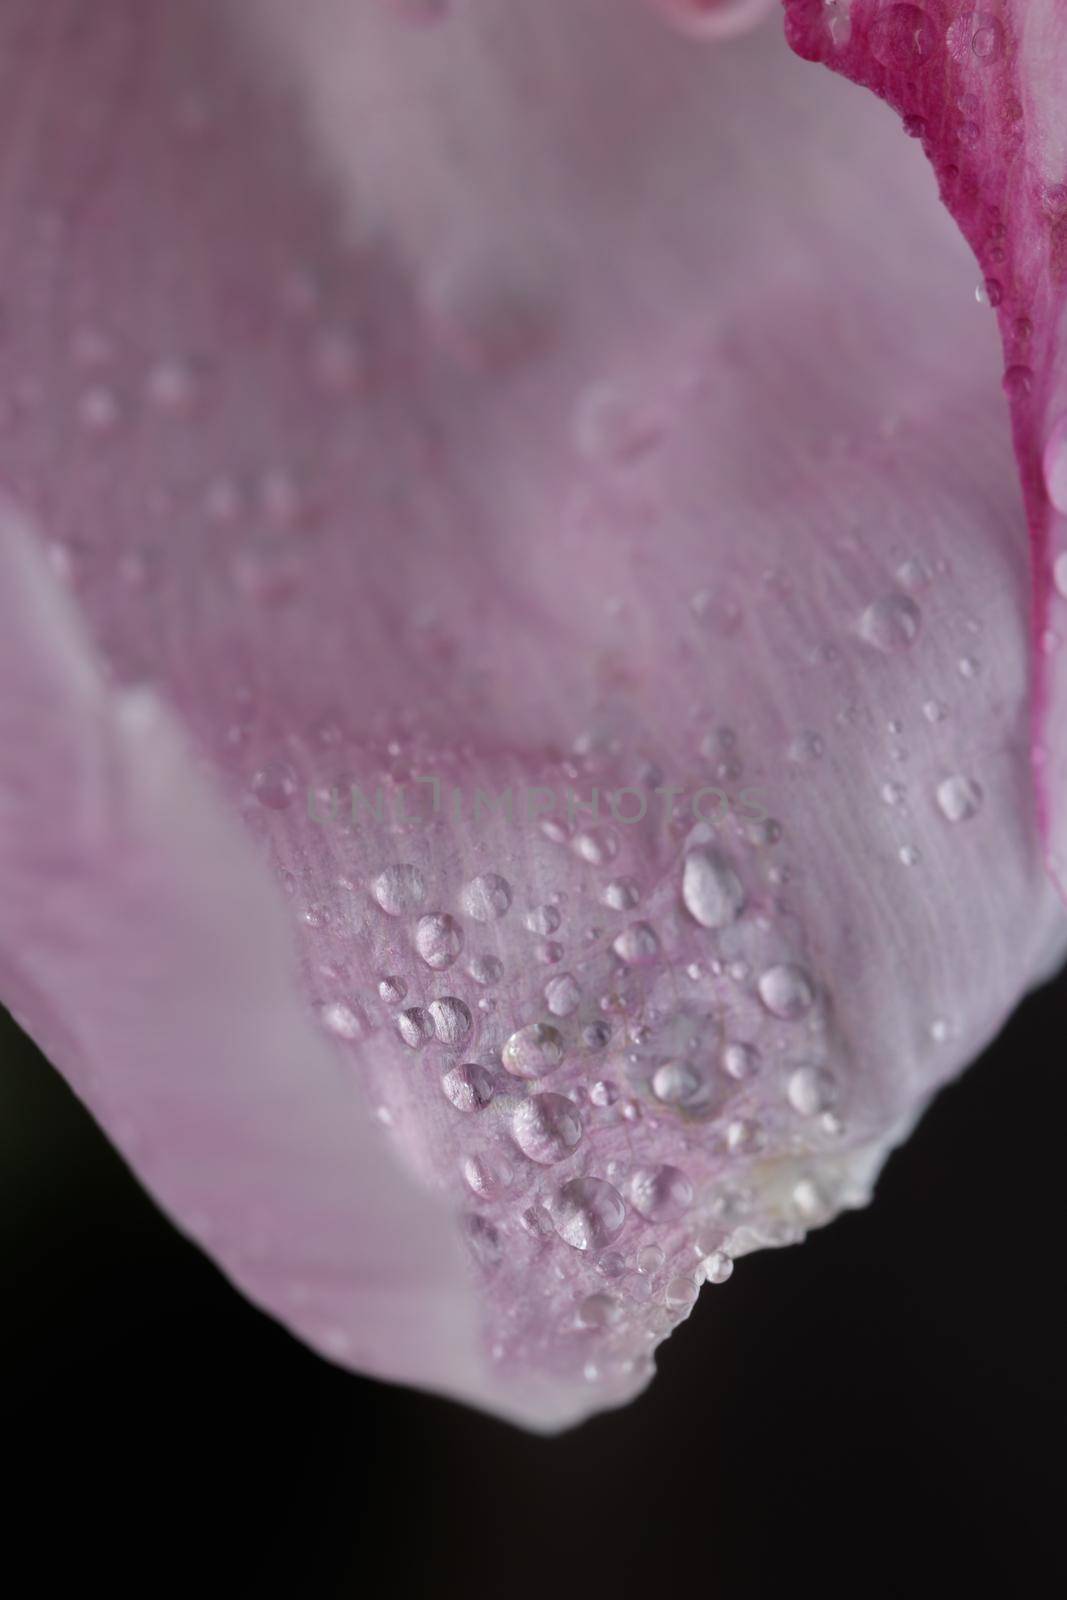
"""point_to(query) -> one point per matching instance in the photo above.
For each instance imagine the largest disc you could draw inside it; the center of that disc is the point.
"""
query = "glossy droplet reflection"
(959, 798)
(786, 991)
(487, 897)
(546, 1128)
(399, 889)
(532, 1051)
(661, 1194)
(588, 1213)
(902, 37)
(891, 624)
(711, 890)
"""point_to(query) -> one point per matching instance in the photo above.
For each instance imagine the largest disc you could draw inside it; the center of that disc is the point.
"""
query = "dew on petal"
(487, 897)
(415, 1027)
(392, 990)
(676, 1083)
(959, 798)
(740, 1060)
(451, 1019)
(533, 1051)
(469, 1087)
(486, 970)
(711, 890)
(562, 995)
(275, 785)
(438, 939)
(811, 1090)
(588, 1213)
(1059, 574)
(660, 1194)
(680, 1294)
(786, 991)
(546, 1128)
(621, 894)
(399, 889)
(637, 945)
(543, 920)
(717, 1267)
(891, 624)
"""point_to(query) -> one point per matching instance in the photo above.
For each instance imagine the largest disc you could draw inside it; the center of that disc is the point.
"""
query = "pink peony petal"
(982, 86)
(422, 415)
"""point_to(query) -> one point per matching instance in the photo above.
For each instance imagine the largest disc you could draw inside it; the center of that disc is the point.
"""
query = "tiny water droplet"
(786, 991)
(275, 785)
(891, 623)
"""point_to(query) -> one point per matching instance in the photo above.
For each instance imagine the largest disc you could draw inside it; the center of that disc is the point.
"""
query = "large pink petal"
(983, 86)
(548, 402)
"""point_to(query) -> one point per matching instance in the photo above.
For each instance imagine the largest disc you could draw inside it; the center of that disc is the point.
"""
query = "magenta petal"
(403, 448)
(982, 86)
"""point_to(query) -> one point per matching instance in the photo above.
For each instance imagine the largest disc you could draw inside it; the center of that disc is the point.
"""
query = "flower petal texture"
(516, 786)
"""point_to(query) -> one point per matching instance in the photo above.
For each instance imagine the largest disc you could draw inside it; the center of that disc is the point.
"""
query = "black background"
(877, 1412)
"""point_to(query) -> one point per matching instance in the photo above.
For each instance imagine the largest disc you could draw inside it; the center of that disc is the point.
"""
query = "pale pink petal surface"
(553, 402)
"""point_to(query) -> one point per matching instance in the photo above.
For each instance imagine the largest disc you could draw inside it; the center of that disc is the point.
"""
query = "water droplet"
(469, 1087)
(969, 666)
(1055, 466)
(711, 889)
(543, 920)
(342, 1020)
(811, 1090)
(588, 1213)
(744, 1137)
(487, 897)
(891, 624)
(661, 1194)
(546, 1128)
(598, 1311)
(976, 35)
(677, 1083)
(275, 785)
(786, 991)
(935, 710)
(533, 1051)
(596, 845)
(908, 855)
(486, 970)
(415, 1027)
(959, 798)
(637, 945)
(399, 889)
(621, 894)
(740, 1061)
(438, 939)
(392, 990)
(487, 1179)
(680, 1294)
(562, 995)
(603, 1093)
(451, 1019)
(717, 1267)
(902, 37)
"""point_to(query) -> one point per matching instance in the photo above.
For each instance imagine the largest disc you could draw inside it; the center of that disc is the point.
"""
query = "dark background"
(877, 1412)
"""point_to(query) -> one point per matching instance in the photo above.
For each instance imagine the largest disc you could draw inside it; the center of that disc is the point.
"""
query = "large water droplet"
(438, 939)
(546, 1128)
(891, 624)
(399, 889)
(533, 1051)
(588, 1213)
(415, 1027)
(469, 1087)
(811, 1090)
(662, 1194)
(786, 991)
(637, 945)
(562, 995)
(487, 897)
(451, 1019)
(711, 889)
(959, 798)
